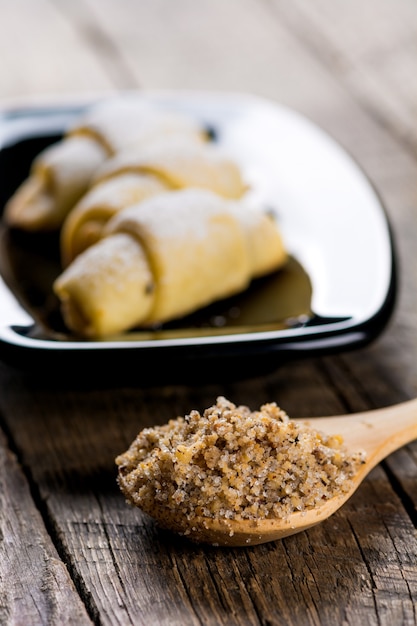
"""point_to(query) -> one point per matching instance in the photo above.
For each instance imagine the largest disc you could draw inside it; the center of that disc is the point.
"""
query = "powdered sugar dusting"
(112, 257)
(161, 214)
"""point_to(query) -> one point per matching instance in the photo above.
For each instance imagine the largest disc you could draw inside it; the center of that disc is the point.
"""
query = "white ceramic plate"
(337, 293)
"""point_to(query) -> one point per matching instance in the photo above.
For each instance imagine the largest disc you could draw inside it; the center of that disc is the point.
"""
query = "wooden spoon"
(378, 433)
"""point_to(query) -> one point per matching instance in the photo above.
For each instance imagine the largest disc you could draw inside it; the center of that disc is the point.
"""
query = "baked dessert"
(61, 174)
(172, 162)
(165, 257)
(153, 218)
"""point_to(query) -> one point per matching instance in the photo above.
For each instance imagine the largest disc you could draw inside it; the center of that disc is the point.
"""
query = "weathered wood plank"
(42, 54)
(212, 45)
(101, 46)
(279, 50)
(35, 587)
(371, 48)
(132, 571)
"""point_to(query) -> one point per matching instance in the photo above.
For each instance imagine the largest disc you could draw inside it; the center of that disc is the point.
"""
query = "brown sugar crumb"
(234, 464)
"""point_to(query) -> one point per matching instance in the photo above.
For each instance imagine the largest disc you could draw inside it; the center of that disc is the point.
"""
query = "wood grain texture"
(72, 551)
(371, 49)
(35, 587)
(42, 54)
(131, 571)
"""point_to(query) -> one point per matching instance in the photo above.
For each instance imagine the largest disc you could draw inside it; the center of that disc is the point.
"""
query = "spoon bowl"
(378, 433)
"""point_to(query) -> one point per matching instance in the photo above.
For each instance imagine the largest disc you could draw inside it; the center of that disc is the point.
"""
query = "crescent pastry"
(162, 259)
(136, 173)
(61, 173)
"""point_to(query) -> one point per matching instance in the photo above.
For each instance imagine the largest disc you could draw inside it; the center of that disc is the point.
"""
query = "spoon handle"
(378, 432)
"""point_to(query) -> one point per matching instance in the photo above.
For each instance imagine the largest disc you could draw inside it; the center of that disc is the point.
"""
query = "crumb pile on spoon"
(231, 463)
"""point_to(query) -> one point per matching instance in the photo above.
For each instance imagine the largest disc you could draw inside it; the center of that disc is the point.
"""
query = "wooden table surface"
(71, 550)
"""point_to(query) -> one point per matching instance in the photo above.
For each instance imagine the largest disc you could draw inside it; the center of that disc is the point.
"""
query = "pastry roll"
(134, 174)
(164, 258)
(58, 178)
(85, 223)
(181, 163)
(264, 242)
(61, 174)
(107, 289)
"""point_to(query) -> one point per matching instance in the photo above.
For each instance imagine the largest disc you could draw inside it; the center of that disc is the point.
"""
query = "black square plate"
(337, 291)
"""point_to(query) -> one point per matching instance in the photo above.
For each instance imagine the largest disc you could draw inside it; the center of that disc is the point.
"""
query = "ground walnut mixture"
(233, 463)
